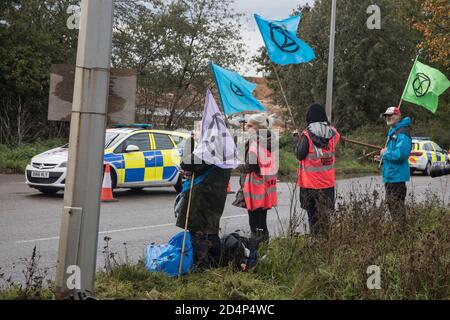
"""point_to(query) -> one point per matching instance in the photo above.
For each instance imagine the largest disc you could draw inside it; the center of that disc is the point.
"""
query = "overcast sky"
(271, 9)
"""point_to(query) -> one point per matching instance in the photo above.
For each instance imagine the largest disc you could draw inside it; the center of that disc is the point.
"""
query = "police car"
(425, 153)
(138, 158)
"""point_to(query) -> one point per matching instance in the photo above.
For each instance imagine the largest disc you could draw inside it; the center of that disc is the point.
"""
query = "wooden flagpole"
(188, 210)
(186, 225)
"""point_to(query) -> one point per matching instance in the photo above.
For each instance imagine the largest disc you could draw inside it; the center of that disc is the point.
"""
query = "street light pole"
(329, 101)
(78, 241)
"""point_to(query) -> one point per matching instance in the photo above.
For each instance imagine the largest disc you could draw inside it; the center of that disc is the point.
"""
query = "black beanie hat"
(316, 113)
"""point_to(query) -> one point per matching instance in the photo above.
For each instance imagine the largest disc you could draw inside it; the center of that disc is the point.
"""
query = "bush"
(414, 258)
(15, 159)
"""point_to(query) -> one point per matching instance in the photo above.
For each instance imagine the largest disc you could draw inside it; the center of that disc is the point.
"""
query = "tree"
(371, 66)
(33, 35)
(434, 24)
(171, 47)
(170, 44)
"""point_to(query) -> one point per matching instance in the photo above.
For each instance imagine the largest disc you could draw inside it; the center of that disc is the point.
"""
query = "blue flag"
(235, 92)
(282, 44)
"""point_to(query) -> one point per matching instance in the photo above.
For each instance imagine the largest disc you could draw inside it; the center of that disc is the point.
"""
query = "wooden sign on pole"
(121, 99)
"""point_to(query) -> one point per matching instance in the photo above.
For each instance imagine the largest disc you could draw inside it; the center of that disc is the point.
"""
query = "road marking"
(36, 240)
(124, 230)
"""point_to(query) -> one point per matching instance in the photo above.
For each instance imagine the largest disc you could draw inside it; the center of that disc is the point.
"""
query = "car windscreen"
(179, 141)
(110, 138)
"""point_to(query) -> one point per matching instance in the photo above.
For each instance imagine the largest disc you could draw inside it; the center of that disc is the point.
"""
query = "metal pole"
(329, 101)
(77, 254)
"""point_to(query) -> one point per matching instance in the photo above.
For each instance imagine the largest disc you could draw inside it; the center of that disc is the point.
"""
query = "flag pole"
(283, 93)
(409, 77)
(329, 96)
(186, 225)
(401, 98)
(188, 210)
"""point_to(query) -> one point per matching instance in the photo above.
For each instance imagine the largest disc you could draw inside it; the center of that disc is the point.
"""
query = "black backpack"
(233, 250)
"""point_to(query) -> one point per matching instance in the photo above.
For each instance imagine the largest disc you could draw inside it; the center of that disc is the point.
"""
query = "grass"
(15, 159)
(414, 264)
(414, 259)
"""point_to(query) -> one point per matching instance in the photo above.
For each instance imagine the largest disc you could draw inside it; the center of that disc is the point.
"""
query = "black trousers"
(258, 223)
(260, 233)
(395, 200)
(319, 204)
(207, 250)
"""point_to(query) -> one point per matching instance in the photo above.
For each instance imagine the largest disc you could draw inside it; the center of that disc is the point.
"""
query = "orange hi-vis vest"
(260, 190)
(317, 170)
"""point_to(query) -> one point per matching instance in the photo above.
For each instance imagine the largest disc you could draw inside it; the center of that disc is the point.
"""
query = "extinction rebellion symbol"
(288, 45)
(236, 90)
(421, 84)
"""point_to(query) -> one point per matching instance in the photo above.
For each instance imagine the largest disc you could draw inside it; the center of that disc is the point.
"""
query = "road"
(28, 218)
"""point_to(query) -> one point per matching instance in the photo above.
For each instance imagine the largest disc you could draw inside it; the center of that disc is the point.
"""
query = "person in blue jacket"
(394, 158)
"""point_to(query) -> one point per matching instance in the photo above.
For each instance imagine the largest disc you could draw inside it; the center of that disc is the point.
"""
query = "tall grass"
(15, 159)
(413, 257)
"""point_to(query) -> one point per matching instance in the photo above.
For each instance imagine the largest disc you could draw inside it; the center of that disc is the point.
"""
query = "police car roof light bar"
(134, 125)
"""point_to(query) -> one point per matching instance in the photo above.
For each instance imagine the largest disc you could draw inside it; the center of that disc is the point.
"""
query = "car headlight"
(63, 165)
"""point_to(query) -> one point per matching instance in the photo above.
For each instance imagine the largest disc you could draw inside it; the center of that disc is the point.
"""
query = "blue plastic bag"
(166, 257)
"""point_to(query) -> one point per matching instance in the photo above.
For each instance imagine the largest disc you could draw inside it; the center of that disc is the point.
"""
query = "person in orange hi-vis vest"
(258, 180)
(315, 148)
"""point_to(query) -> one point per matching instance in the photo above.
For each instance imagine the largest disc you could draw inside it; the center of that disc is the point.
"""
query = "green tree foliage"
(371, 66)
(171, 45)
(33, 35)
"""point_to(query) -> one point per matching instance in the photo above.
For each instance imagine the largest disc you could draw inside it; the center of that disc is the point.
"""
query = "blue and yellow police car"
(139, 157)
(425, 153)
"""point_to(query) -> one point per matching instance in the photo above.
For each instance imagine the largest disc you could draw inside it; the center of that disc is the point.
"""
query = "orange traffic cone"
(107, 194)
(229, 189)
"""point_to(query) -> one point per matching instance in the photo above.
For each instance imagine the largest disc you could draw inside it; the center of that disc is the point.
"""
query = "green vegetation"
(15, 159)
(371, 66)
(34, 35)
(414, 259)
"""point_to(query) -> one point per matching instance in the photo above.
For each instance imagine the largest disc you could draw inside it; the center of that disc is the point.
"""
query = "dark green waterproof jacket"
(208, 198)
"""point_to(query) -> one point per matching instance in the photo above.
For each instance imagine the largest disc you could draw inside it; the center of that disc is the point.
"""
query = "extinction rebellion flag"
(282, 44)
(424, 86)
(235, 92)
(216, 145)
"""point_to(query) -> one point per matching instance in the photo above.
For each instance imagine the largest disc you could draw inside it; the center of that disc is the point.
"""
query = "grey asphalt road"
(28, 218)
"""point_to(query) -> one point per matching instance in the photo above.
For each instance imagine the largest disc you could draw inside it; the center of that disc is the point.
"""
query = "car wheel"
(426, 172)
(48, 191)
(179, 185)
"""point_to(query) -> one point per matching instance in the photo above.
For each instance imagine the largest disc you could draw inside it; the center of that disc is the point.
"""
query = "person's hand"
(186, 174)
(382, 152)
(295, 132)
(377, 158)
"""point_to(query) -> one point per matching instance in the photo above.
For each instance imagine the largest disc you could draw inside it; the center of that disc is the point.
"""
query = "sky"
(271, 9)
